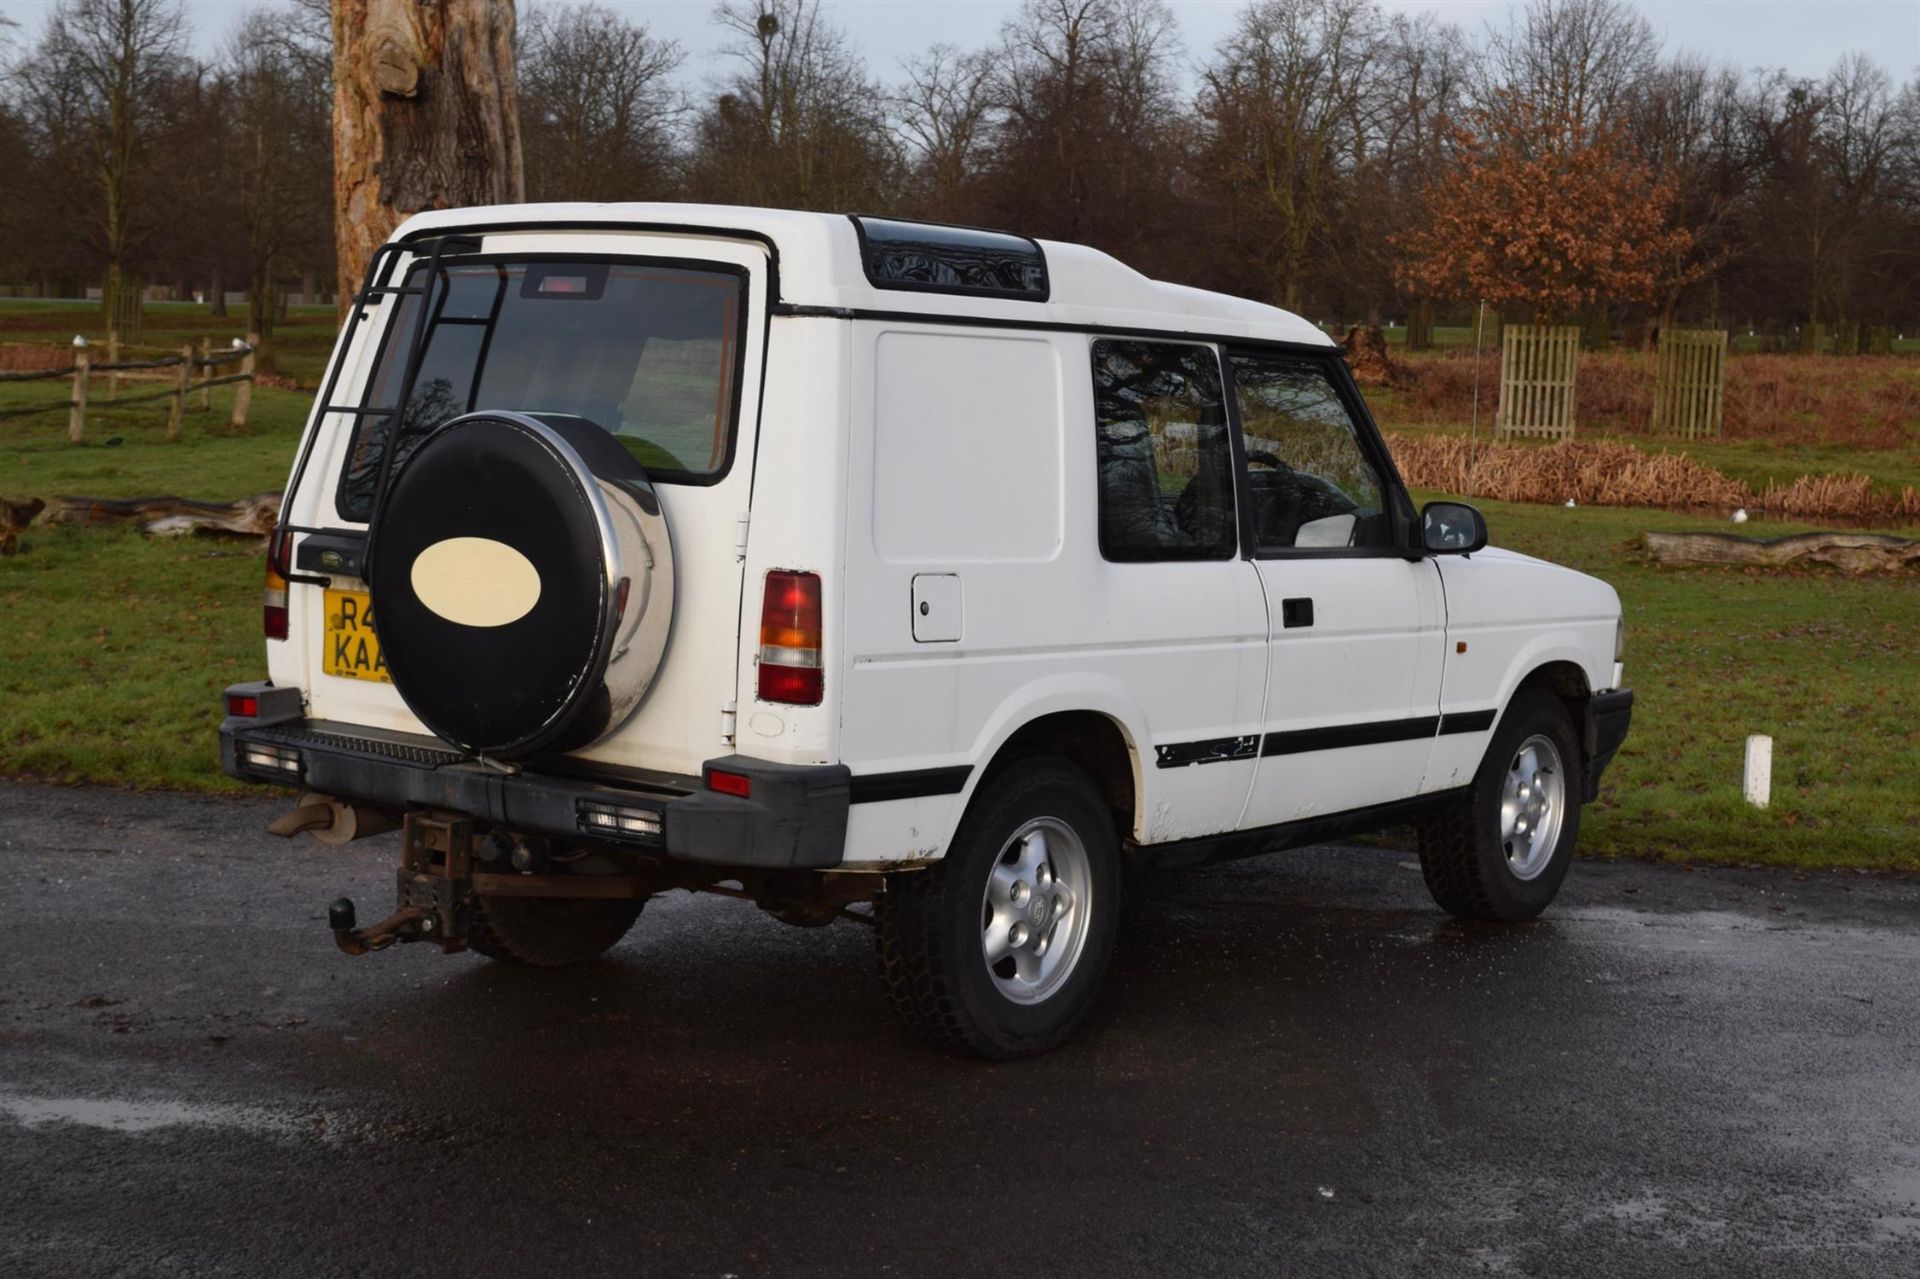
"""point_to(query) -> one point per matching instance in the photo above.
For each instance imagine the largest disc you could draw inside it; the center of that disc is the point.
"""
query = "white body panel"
(1515, 614)
(1372, 655)
(1169, 652)
(940, 477)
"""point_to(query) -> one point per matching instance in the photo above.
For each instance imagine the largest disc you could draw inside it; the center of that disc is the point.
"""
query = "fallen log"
(171, 516)
(1849, 552)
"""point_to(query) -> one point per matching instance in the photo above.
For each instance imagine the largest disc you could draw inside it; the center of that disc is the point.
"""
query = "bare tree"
(1577, 62)
(597, 109)
(274, 88)
(424, 116)
(1287, 109)
(1082, 146)
(800, 124)
(94, 85)
(942, 112)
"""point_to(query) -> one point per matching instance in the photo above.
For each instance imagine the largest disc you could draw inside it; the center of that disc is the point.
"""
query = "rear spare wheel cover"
(521, 582)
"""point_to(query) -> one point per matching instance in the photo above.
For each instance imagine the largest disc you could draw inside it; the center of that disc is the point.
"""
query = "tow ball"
(434, 888)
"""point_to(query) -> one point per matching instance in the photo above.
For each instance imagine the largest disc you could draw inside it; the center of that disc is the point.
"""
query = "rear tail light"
(242, 706)
(790, 668)
(274, 598)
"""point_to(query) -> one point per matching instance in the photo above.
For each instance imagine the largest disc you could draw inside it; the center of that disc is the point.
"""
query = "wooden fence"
(1689, 383)
(177, 371)
(1538, 366)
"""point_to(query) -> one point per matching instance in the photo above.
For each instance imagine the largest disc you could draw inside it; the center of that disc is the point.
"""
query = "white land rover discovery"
(833, 560)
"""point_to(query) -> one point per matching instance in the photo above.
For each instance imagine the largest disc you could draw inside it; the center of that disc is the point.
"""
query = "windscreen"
(646, 351)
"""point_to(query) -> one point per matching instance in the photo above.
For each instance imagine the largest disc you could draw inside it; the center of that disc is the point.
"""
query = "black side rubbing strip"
(1216, 750)
(1466, 722)
(1332, 737)
(1336, 736)
(875, 788)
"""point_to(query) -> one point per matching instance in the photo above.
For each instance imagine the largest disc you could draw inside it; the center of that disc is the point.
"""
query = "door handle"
(1296, 612)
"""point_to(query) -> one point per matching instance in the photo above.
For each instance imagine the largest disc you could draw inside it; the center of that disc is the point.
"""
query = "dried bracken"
(1610, 473)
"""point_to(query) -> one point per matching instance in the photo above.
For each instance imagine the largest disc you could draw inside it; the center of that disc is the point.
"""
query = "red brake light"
(730, 783)
(274, 598)
(790, 668)
(243, 707)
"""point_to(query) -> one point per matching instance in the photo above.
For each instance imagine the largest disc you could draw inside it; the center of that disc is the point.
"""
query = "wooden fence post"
(77, 411)
(178, 409)
(243, 389)
(206, 392)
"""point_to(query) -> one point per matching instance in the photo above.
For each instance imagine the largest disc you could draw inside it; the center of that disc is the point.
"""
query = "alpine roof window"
(924, 257)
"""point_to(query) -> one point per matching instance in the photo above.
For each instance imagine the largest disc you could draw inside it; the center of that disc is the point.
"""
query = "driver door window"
(1309, 482)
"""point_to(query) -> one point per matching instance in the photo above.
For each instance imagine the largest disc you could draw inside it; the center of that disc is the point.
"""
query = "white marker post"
(1759, 775)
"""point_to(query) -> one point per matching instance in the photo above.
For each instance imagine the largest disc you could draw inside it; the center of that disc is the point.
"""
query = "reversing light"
(270, 759)
(619, 821)
(790, 669)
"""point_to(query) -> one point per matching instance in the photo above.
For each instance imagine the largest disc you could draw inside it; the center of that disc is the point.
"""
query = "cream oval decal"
(476, 581)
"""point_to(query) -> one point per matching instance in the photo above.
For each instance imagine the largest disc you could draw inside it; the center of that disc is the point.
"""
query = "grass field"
(117, 646)
(298, 348)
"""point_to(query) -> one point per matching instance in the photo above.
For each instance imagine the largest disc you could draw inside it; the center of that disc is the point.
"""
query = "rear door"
(1356, 630)
(657, 338)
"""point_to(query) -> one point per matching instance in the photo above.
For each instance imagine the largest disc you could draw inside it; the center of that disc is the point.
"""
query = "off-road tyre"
(547, 932)
(929, 922)
(1462, 854)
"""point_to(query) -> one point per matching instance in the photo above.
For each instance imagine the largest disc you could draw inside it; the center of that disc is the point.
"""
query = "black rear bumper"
(795, 816)
(1608, 717)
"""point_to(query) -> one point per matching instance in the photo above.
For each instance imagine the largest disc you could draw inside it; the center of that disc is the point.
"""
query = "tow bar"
(434, 883)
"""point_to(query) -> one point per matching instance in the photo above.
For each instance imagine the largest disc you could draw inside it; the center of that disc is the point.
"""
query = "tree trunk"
(424, 116)
(260, 301)
(217, 293)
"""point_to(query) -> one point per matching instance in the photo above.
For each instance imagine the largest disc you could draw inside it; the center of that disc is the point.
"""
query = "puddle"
(136, 1117)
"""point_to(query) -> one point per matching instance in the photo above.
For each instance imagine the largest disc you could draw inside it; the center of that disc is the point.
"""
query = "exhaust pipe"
(330, 821)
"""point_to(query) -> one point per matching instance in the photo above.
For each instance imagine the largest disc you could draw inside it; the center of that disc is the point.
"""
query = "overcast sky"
(1803, 36)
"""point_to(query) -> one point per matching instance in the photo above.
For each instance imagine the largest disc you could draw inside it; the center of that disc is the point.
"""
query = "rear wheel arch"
(1096, 743)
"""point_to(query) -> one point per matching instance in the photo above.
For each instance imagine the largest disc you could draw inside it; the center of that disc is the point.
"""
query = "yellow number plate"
(351, 648)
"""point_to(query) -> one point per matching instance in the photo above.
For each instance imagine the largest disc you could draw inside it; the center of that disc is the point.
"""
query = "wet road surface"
(1300, 1067)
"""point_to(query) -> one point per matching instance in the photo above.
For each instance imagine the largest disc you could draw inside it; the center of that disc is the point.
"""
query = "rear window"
(647, 351)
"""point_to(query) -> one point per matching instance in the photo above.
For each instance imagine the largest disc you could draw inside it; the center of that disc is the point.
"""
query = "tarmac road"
(1301, 1068)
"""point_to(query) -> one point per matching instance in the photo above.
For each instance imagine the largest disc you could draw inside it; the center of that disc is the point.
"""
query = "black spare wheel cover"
(494, 567)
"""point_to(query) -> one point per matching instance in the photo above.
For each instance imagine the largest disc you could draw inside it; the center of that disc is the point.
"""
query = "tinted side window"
(1309, 482)
(1166, 464)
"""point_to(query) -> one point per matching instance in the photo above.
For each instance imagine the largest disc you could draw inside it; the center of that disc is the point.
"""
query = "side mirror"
(1452, 528)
